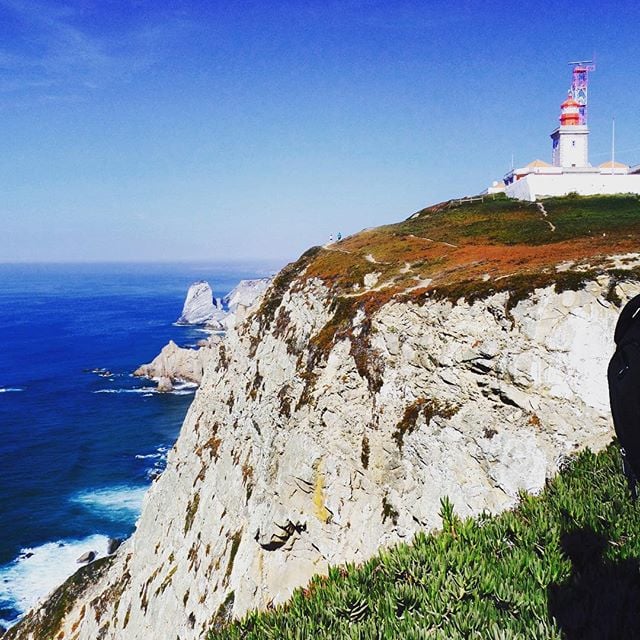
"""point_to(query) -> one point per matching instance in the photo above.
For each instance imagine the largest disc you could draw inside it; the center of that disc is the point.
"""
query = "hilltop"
(472, 249)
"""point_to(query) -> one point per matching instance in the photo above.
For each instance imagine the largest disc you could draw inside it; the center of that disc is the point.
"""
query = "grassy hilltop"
(461, 249)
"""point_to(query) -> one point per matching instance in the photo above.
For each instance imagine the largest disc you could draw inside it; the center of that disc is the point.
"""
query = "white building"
(570, 171)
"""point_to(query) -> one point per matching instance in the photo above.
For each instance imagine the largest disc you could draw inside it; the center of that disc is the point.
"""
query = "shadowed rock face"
(333, 420)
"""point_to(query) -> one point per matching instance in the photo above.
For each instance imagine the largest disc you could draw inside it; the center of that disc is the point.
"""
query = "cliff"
(461, 353)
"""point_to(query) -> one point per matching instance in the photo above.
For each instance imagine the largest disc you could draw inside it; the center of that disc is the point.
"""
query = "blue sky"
(177, 130)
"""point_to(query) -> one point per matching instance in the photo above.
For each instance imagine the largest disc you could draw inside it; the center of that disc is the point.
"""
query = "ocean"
(80, 438)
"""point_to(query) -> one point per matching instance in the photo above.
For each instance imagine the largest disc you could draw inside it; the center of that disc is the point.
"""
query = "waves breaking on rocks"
(38, 570)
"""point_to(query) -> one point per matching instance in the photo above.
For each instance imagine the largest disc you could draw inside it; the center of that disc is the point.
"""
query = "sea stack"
(198, 307)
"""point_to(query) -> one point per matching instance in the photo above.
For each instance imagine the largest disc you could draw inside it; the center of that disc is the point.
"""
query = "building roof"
(615, 165)
(538, 163)
(570, 102)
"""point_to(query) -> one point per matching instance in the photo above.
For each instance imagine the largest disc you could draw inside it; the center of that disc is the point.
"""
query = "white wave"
(185, 384)
(10, 389)
(147, 390)
(180, 389)
(121, 503)
(149, 456)
(39, 570)
(184, 388)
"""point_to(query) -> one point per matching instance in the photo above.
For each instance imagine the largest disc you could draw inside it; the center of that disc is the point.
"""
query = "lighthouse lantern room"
(571, 138)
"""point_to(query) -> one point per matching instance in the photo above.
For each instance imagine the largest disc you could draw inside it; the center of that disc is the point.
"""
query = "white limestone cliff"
(246, 292)
(288, 462)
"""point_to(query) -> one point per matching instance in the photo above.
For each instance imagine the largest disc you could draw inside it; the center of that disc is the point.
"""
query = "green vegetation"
(365, 452)
(235, 543)
(580, 216)
(505, 221)
(192, 508)
(561, 565)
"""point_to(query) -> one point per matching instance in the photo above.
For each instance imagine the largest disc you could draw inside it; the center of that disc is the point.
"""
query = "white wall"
(574, 144)
(533, 187)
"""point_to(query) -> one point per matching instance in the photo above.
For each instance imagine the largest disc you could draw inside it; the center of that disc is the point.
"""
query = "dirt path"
(543, 211)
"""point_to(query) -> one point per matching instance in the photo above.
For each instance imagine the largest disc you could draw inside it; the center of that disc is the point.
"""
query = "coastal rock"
(164, 384)
(243, 298)
(277, 475)
(88, 556)
(178, 364)
(245, 293)
(198, 306)
(113, 545)
(175, 364)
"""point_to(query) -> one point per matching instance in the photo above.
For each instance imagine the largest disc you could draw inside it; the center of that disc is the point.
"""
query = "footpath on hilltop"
(472, 249)
(412, 377)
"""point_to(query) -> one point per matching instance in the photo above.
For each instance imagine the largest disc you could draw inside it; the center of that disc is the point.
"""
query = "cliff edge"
(461, 352)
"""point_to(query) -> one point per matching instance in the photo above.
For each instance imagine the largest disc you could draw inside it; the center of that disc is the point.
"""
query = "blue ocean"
(80, 438)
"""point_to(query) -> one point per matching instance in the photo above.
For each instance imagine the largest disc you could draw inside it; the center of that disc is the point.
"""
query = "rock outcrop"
(178, 364)
(242, 298)
(372, 381)
(198, 306)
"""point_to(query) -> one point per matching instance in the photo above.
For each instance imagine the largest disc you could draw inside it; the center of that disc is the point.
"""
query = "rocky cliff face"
(333, 420)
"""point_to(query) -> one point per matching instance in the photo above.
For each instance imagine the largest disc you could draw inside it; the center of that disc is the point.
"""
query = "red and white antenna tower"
(580, 85)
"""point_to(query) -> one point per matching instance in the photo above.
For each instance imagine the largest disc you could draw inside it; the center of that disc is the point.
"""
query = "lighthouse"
(570, 171)
(571, 138)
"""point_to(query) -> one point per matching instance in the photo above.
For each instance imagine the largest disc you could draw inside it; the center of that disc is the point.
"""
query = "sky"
(138, 130)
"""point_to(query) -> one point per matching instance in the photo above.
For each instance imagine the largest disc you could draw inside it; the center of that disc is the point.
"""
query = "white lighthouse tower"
(571, 138)
(570, 171)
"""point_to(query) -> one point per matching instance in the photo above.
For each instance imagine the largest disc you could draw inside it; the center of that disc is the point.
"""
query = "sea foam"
(180, 389)
(39, 570)
(118, 503)
(10, 389)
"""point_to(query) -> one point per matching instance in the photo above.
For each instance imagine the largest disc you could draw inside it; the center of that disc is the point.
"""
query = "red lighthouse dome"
(570, 112)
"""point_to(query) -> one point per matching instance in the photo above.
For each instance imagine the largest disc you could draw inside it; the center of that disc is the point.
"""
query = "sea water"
(80, 437)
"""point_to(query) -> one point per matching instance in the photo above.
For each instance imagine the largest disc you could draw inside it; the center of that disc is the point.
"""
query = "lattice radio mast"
(580, 85)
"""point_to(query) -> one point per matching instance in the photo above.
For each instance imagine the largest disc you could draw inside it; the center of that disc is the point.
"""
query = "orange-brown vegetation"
(464, 250)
